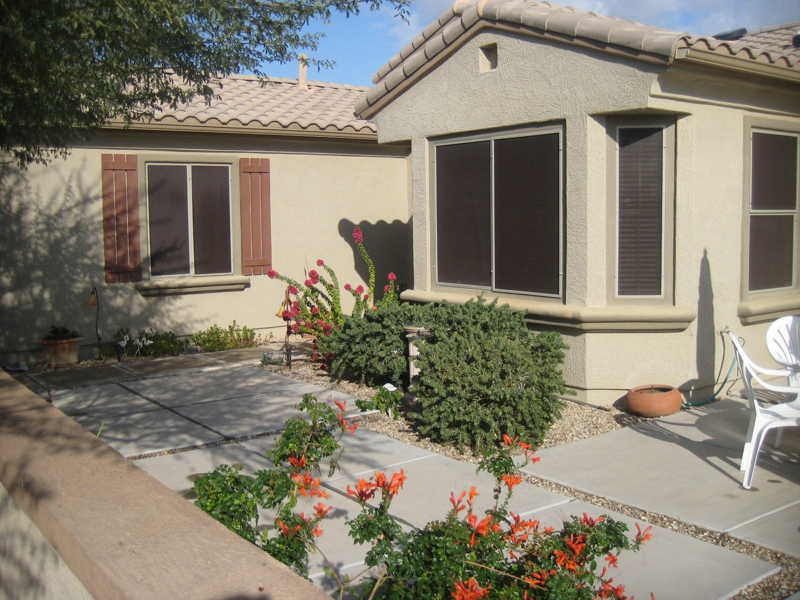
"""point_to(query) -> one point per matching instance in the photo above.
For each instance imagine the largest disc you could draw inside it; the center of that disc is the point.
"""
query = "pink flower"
(307, 283)
(296, 328)
(360, 290)
(272, 274)
(320, 262)
(386, 288)
(313, 274)
(392, 276)
(358, 237)
(296, 305)
(314, 310)
(314, 357)
(292, 289)
(347, 287)
(287, 316)
(366, 297)
(320, 324)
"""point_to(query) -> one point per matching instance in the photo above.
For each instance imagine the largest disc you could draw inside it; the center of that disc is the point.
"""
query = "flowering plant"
(315, 306)
(468, 555)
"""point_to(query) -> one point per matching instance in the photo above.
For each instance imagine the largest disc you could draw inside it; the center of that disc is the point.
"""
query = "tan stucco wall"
(540, 82)
(52, 233)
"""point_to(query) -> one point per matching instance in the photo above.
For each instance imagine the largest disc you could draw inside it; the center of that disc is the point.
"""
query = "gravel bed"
(579, 421)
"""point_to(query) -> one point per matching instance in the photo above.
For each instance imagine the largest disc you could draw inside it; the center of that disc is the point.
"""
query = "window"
(189, 219)
(773, 211)
(641, 184)
(193, 226)
(498, 212)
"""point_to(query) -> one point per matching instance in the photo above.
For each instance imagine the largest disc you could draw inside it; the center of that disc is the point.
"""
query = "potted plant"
(61, 346)
(654, 400)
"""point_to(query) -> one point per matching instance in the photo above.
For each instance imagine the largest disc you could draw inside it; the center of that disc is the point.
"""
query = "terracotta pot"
(62, 353)
(656, 400)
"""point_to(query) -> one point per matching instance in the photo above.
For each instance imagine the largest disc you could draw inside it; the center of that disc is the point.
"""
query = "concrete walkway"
(685, 466)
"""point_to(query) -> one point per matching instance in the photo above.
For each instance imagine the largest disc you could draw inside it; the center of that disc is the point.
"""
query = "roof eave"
(331, 133)
(710, 58)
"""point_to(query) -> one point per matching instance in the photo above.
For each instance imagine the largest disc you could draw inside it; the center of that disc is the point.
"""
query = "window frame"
(491, 137)
(231, 163)
(770, 127)
(668, 126)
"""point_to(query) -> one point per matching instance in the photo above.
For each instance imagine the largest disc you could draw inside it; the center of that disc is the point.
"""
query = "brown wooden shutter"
(121, 218)
(256, 229)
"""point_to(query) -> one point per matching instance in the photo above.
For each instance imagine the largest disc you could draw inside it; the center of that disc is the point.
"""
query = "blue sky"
(359, 45)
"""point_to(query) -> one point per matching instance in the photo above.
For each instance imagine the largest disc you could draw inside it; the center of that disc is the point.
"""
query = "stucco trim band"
(584, 318)
(763, 310)
(193, 285)
(123, 534)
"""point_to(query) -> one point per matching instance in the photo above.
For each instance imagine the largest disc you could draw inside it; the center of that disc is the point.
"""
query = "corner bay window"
(498, 213)
(189, 208)
(773, 207)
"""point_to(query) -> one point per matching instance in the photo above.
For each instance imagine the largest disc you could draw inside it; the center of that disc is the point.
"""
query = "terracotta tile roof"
(770, 45)
(280, 105)
(570, 25)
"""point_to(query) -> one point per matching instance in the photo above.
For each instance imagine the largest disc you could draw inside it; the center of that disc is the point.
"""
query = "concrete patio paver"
(69, 378)
(260, 413)
(178, 471)
(101, 401)
(779, 531)
(160, 366)
(206, 386)
(723, 424)
(695, 482)
(146, 432)
(671, 565)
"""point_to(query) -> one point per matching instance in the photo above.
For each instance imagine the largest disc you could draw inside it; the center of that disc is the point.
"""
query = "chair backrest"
(783, 341)
(746, 369)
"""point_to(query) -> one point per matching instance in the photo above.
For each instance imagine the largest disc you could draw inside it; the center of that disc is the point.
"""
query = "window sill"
(192, 285)
(768, 309)
(584, 318)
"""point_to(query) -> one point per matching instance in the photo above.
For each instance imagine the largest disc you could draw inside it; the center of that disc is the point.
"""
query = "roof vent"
(302, 65)
(729, 36)
(796, 39)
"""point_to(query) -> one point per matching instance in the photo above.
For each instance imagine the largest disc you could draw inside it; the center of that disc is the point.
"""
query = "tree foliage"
(71, 66)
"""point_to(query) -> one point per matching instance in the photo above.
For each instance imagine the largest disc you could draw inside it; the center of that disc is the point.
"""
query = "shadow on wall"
(705, 336)
(390, 247)
(52, 256)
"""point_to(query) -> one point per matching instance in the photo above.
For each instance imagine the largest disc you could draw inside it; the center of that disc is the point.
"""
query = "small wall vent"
(487, 58)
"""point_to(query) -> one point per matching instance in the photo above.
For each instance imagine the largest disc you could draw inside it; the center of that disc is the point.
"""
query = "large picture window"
(498, 213)
(189, 219)
(773, 208)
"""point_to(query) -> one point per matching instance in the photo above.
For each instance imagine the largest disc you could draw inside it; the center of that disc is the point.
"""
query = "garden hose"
(722, 385)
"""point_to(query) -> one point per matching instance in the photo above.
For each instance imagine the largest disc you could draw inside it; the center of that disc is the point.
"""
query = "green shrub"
(483, 373)
(372, 349)
(215, 339)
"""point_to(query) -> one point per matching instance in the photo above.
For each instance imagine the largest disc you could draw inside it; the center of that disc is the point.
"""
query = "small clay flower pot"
(657, 400)
(62, 353)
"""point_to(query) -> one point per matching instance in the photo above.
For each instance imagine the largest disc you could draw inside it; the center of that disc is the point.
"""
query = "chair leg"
(753, 459)
(748, 445)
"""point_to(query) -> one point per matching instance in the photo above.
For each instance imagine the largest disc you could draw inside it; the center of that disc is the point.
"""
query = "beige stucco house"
(264, 177)
(634, 188)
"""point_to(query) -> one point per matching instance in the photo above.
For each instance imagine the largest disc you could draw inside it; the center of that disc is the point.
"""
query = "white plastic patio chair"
(763, 418)
(783, 343)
